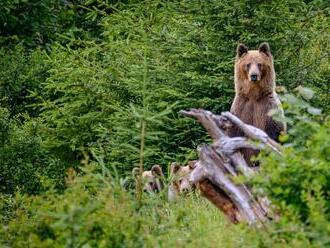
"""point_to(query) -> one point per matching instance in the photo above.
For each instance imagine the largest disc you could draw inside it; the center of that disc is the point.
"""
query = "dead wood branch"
(221, 162)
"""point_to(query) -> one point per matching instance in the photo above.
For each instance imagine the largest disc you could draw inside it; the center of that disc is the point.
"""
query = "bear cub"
(153, 180)
(180, 180)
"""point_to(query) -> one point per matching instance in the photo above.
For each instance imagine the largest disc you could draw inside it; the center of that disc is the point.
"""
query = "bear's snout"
(254, 77)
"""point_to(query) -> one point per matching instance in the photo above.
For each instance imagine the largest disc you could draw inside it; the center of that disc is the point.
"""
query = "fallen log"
(220, 162)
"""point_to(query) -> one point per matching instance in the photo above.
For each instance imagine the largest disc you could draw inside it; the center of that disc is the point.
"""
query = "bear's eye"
(259, 65)
(248, 66)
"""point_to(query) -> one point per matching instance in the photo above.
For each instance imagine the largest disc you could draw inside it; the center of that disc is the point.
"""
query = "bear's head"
(152, 179)
(181, 179)
(254, 68)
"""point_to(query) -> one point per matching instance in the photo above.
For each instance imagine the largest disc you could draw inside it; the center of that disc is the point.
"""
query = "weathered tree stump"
(220, 162)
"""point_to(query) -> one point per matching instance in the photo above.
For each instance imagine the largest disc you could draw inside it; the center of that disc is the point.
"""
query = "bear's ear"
(241, 49)
(135, 172)
(157, 170)
(175, 167)
(265, 48)
(192, 164)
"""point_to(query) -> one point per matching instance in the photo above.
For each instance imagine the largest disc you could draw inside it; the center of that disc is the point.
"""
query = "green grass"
(94, 212)
(194, 222)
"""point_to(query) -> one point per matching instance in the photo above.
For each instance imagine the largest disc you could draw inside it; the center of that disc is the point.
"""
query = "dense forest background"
(79, 78)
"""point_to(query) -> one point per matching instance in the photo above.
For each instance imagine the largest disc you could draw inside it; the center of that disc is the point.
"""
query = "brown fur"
(180, 180)
(255, 98)
(152, 179)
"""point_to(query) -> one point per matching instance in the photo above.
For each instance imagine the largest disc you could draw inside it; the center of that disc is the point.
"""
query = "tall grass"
(95, 211)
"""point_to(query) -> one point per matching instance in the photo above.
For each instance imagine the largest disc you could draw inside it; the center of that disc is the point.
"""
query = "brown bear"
(152, 179)
(180, 180)
(255, 93)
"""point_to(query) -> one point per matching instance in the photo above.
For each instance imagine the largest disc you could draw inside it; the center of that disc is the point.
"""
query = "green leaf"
(306, 93)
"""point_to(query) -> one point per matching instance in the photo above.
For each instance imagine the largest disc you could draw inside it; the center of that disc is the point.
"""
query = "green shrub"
(29, 21)
(95, 212)
(21, 72)
(24, 164)
(299, 181)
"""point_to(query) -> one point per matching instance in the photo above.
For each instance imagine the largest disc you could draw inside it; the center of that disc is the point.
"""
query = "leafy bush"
(299, 181)
(21, 73)
(95, 212)
(32, 21)
(25, 165)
